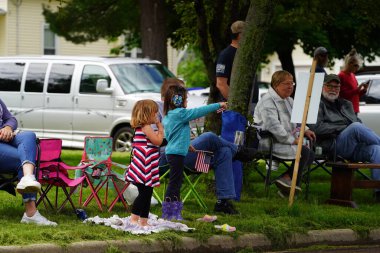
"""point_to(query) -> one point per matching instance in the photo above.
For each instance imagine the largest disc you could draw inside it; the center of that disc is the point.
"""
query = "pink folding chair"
(51, 171)
(97, 155)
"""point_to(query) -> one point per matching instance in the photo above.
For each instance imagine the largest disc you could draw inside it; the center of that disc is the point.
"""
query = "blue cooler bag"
(232, 122)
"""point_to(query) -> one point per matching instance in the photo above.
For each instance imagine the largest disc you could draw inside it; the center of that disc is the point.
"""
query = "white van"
(73, 97)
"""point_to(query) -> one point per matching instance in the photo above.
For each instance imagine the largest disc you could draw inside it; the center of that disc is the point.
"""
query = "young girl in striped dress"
(143, 170)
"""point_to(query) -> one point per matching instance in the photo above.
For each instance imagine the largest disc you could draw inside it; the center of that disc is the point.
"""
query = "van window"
(35, 77)
(91, 74)
(143, 77)
(60, 78)
(11, 75)
(373, 93)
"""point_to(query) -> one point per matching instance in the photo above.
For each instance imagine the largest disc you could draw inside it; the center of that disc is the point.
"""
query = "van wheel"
(122, 140)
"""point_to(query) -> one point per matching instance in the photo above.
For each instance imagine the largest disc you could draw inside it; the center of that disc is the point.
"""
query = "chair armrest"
(120, 165)
(265, 134)
(68, 167)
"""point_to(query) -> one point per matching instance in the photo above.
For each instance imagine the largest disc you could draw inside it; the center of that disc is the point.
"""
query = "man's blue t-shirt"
(224, 69)
(225, 61)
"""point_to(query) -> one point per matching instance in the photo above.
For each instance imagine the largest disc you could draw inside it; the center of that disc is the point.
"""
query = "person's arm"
(363, 87)
(273, 125)
(155, 137)
(324, 127)
(7, 117)
(191, 114)
(222, 85)
(349, 86)
(310, 135)
(9, 124)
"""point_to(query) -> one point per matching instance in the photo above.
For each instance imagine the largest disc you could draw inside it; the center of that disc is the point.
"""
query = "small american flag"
(203, 161)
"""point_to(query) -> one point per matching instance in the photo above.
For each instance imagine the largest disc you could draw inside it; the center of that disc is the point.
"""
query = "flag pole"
(302, 132)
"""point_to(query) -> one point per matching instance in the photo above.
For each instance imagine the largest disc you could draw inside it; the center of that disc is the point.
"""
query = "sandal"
(225, 228)
(208, 218)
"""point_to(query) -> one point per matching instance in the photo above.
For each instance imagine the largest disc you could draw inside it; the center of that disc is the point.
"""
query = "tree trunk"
(213, 120)
(247, 59)
(153, 30)
(286, 60)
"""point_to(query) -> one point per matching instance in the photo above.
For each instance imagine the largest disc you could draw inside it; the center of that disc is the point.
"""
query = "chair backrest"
(50, 149)
(97, 149)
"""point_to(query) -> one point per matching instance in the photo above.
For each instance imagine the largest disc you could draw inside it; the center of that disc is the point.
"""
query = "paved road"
(340, 249)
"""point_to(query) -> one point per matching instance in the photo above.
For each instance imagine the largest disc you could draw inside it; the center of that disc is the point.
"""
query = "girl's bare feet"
(134, 219)
(143, 222)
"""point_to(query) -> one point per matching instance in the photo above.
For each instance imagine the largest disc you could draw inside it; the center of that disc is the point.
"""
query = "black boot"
(225, 206)
(245, 154)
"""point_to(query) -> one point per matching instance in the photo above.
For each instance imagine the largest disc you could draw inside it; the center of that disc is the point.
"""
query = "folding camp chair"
(8, 182)
(97, 155)
(268, 156)
(51, 171)
(191, 178)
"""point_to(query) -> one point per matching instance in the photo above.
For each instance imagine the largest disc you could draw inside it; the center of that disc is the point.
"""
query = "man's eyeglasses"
(332, 87)
(288, 83)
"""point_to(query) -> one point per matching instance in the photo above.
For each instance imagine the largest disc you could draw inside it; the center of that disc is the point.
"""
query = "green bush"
(193, 70)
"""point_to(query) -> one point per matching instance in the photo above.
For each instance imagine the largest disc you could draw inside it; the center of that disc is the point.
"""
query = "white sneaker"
(37, 219)
(28, 184)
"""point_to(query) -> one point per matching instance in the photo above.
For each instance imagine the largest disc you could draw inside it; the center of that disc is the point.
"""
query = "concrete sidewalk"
(217, 243)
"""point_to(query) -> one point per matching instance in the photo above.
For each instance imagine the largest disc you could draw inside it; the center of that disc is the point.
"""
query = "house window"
(134, 53)
(49, 41)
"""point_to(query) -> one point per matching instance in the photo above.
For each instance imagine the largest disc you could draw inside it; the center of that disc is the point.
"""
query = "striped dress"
(144, 165)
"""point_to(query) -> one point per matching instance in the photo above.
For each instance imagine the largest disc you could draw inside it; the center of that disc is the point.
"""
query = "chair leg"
(68, 198)
(307, 182)
(44, 197)
(56, 197)
(363, 175)
(106, 192)
(256, 167)
(94, 194)
(155, 194)
(193, 190)
(163, 184)
(119, 195)
(267, 178)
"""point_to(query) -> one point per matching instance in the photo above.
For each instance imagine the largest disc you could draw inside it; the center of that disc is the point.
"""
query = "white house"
(23, 31)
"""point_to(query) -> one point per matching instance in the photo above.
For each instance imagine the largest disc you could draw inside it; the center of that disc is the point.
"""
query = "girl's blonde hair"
(142, 113)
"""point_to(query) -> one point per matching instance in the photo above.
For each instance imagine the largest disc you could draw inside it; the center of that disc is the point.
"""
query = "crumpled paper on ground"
(155, 224)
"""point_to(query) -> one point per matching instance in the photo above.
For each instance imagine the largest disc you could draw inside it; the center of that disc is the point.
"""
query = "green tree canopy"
(145, 22)
(82, 21)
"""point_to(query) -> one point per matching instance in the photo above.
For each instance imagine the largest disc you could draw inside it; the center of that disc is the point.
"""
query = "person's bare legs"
(28, 169)
(30, 208)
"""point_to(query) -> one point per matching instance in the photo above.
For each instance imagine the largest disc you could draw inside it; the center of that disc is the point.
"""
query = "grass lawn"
(259, 214)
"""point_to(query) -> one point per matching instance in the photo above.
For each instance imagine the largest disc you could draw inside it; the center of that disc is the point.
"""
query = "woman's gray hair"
(278, 77)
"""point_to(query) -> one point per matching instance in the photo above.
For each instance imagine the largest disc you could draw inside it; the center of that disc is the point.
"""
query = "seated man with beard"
(336, 117)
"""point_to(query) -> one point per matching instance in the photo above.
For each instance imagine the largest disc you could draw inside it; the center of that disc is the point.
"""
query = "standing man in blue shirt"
(226, 59)
(223, 80)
